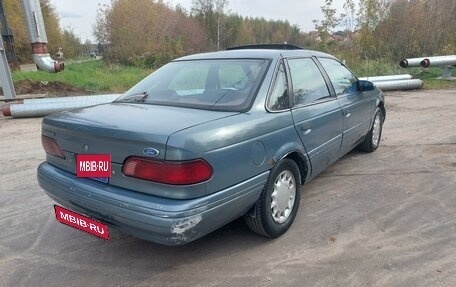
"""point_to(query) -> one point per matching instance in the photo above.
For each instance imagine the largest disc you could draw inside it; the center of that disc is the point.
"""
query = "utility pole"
(5, 73)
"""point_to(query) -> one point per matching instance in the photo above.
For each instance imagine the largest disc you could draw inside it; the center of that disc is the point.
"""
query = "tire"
(283, 190)
(372, 139)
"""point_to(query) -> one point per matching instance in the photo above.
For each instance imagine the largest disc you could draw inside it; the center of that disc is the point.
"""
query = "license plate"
(101, 179)
(81, 222)
(93, 165)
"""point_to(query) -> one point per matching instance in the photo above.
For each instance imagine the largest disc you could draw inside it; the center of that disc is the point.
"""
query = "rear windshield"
(226, 85)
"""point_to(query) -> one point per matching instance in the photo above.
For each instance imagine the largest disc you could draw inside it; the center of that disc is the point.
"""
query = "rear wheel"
(278, 204)
(372, 140)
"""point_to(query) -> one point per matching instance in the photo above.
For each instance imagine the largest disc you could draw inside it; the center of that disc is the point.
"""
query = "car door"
(356, 106)
(317, 115)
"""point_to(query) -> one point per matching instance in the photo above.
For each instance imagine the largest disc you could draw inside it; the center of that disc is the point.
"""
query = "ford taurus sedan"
(207, 139)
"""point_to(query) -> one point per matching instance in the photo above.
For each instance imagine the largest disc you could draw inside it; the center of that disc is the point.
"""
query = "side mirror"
(365, 86)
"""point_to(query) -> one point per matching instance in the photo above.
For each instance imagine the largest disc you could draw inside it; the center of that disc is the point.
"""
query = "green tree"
(212, 14)
(71, 45)
(52, 26)
(347, 18)
(428, 29)
(13, 11)
(330, 21)
(162, 34)
(370, 15)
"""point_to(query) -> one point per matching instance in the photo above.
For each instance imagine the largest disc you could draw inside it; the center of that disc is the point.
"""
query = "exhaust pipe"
(37, 34)
(438, 61)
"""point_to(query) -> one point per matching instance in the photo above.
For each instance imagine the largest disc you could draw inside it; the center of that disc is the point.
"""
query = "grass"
(96, 76)
(370, 68)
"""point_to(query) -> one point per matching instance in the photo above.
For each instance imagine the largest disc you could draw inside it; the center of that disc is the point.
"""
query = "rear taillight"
(169, 172)
(51, 146)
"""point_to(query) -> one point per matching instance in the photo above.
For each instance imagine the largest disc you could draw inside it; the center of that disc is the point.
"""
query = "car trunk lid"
(120, 130)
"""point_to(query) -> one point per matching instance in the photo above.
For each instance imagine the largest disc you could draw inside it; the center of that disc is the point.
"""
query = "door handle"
(306, 130)
(347, 114)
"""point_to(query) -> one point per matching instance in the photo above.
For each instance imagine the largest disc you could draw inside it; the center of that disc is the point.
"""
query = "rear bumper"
(161, 220)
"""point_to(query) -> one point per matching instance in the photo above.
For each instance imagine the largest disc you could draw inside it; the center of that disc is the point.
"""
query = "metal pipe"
(45, 106)
(37, 34)
(412, 62)
(46, 63)
(438, 61)
(399, 85)
(387, 78)
(70, 99)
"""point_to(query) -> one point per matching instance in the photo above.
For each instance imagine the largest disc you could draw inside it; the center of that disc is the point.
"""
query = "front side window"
(341, 78)
(226, 85)
(279, 99)
(308, 82)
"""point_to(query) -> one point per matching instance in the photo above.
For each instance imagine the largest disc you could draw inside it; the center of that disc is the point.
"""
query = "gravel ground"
(381, 219)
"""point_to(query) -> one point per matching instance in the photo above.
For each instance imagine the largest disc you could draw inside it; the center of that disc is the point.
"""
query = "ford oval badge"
(150, 151)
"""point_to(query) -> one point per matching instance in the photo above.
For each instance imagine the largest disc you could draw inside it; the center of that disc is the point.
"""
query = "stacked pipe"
(42, 107)
(438, 61)
(395, 82)
(446, 62)
(427, 62)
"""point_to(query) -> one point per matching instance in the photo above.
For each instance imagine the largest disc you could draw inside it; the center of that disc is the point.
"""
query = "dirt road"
(381, 219)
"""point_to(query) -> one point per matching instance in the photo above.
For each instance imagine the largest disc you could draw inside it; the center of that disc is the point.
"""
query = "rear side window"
(279, 99)
(308, 82)
(341, 77)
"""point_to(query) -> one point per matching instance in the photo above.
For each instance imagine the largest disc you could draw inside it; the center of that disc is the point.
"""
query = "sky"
(80, 16)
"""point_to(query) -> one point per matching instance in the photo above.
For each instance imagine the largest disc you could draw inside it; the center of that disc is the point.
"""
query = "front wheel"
(372, 140)
(278, 204)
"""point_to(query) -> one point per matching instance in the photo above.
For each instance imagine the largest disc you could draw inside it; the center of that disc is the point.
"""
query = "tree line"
(146, 32)
(414, 28)
(151, 32)
(390, 29)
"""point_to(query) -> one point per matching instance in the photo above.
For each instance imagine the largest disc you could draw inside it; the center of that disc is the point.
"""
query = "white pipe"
(42, 108)
(399, 85)
(111, 97)
(412, 62)
(438, 61)
(46, 63)
(387, 78)
(37, 33)
(34, 21)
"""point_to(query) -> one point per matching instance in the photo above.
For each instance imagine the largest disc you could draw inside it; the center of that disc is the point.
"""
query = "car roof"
(254, 53)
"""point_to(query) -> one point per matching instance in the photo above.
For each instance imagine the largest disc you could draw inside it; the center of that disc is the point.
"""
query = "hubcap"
(283, 196)
(376, 130)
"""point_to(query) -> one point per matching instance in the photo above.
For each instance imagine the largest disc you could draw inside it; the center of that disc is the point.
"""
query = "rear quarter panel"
(238, 147)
